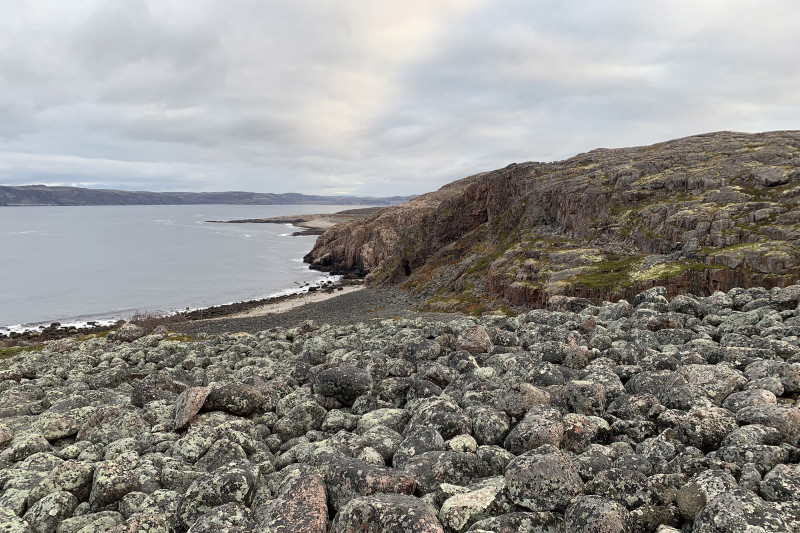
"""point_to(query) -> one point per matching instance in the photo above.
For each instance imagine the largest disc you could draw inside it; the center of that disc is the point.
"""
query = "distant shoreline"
(313, 224)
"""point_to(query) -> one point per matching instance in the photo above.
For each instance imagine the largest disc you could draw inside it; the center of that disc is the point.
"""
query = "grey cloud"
(373, 97)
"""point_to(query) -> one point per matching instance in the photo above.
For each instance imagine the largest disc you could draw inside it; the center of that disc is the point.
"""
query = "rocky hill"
(44, 195)
(697, 214)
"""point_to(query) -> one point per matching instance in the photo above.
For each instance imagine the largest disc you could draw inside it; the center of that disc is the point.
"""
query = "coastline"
(290, 299)
(311, 224)
(245, 308)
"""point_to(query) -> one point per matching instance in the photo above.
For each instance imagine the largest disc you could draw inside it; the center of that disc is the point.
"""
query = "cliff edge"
(697, 214)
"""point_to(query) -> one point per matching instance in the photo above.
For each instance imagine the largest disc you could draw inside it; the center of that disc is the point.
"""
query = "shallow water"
(69, 264)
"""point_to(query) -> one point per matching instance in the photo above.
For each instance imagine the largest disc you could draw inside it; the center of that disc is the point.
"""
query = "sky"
(372, 98)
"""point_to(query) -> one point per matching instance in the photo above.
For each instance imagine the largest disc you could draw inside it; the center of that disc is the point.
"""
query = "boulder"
(546, 482)
(385, 513)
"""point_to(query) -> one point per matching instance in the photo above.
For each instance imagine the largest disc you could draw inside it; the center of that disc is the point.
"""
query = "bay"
(104, 262)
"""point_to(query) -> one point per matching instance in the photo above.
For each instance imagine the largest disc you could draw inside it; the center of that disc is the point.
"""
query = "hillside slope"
(696, 214)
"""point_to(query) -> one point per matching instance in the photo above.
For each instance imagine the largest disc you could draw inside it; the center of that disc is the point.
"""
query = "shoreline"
(315, 292)
(311, 224)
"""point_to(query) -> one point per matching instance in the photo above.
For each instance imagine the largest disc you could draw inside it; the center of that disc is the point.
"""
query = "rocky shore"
(641, 416)
(313, 224)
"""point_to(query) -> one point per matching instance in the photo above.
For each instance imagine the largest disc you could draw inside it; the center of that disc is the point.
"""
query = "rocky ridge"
(641, 416)
(699, 214)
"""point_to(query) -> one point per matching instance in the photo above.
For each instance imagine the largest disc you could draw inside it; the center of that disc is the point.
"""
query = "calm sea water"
(85, 263)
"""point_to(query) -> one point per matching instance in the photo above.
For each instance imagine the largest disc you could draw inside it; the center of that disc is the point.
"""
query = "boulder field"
(636, 416)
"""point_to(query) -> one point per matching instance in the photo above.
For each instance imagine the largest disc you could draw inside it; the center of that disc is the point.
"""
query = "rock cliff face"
(697, 214)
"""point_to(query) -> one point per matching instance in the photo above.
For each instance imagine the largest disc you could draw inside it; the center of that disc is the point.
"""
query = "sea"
(101, 263)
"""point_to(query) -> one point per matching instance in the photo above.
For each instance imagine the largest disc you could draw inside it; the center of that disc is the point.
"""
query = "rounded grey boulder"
(386, 513)
(595, 514)
(344, 383)
(544, 482)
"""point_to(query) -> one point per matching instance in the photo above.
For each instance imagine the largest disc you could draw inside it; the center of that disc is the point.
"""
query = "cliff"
(697, 214)
(45, 195)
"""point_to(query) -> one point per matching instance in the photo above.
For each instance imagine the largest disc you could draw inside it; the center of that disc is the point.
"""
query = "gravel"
(364, 305)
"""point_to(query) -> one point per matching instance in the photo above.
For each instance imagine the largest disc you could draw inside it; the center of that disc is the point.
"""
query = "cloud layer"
(374, 98)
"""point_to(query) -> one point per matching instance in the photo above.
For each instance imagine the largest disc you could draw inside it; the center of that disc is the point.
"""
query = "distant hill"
(44, 195)
(698, 214)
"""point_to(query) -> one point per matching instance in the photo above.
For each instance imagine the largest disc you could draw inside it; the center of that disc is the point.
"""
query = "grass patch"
(185, 337)
(608, 274)
(11, 351)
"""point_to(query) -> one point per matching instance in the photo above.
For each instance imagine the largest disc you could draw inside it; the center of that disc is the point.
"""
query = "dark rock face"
(685, 214)
(652, 416)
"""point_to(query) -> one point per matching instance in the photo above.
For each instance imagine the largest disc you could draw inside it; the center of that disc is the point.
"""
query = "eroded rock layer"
(697, 214)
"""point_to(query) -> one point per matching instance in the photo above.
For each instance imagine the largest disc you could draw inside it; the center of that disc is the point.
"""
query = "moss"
(609, 274)
(11, 351)
(179, 337)
(671, 270)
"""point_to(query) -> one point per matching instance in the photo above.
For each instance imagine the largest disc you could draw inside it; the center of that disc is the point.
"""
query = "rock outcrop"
(698, 214)
(641, 417)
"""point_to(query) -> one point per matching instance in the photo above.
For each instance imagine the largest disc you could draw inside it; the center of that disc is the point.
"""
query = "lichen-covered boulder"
(518, 398)
(442, 415)
(705, 427)
(782, 483)
(155, 522)
(585, 397)
(595, 514)
(100, 522)
(432, 468)
(127, 333)
(416, 443)
(11, 523)
(236, 398)
(305, 416)
(489, 426)
(396, 419)
(520, 522)
(474, 340)
(156, 386)
(781, 417)
(219, 454)
(386, 513)
(299, 507)
(344, 383)
(44, 515)
(347, 478)
(545, 482)
(112, 423)
(543, 424)
(233, 484)
(112, 480)
(701, 489)
(749, 398)
(72, 476)
(736, 511)
(625, 485)
(483, 499)
(23, 446)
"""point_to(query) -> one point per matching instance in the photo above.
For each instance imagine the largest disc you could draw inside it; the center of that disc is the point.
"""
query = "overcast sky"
(373, 97)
